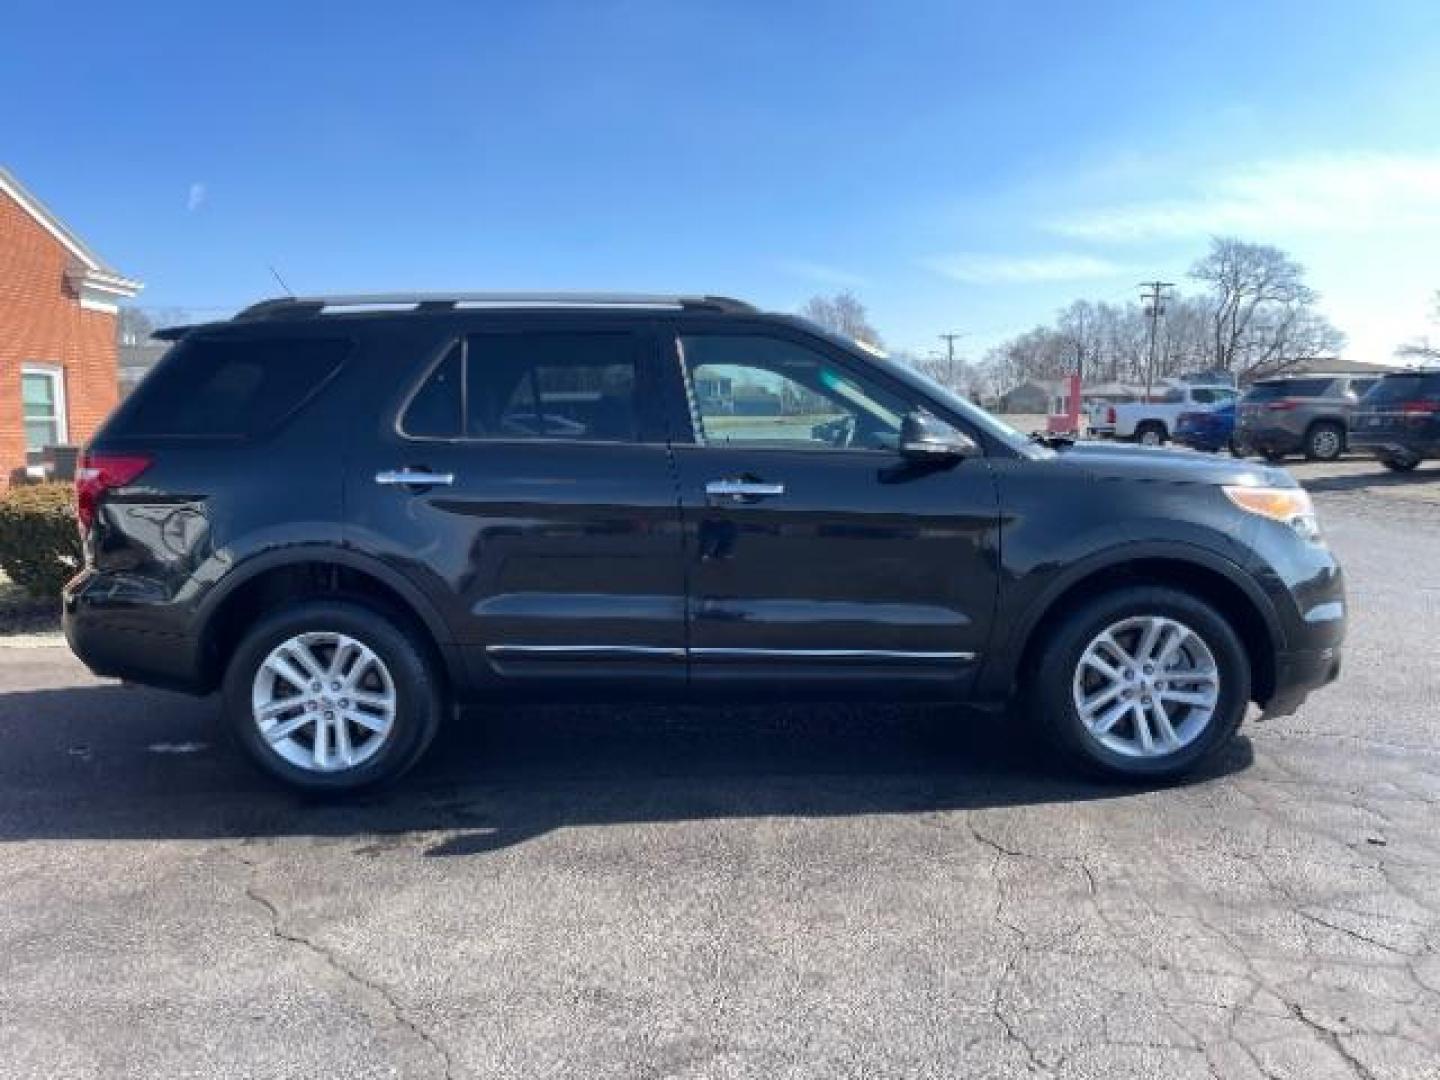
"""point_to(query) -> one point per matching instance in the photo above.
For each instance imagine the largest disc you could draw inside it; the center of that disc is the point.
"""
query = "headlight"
(1289, 506)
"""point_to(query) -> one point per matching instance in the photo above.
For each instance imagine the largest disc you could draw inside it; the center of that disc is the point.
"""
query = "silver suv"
(1307, 414)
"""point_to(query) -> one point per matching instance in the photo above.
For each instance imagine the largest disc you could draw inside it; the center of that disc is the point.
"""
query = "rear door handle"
(743, 489)
(414, 478)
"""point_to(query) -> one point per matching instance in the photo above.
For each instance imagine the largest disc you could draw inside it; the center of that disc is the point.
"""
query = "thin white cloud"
(823, 273)
(1331, 194)
(973, 268)
(195, 197)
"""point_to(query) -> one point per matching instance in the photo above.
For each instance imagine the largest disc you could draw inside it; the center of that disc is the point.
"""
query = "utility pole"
(1154, 308)
(950, 340)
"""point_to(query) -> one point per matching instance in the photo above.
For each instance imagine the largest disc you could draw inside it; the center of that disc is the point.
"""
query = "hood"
(1108, 461)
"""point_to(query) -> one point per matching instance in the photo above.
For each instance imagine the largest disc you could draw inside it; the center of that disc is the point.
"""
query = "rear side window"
(530, 386)
(1286, 388)
(230, 388)
(1418, 387)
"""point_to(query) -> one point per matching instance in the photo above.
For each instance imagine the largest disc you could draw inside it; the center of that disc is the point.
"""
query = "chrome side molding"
(414, 478)
(675, 652)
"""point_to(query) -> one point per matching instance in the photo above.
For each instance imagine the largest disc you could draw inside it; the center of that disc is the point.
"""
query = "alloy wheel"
(1325, 443)
(1146, 686)
(323, 701)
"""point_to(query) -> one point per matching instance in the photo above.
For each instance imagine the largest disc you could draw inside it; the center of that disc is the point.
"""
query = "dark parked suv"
(347, 513)
(1306, 414)
(1399, 420)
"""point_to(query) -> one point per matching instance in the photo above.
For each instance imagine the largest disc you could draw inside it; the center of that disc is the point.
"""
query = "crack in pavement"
(374, 991)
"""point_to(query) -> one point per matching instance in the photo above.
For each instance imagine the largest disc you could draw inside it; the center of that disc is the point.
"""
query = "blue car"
(1209, 431)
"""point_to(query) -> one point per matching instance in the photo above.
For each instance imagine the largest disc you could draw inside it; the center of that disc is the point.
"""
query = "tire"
(386, 662)
(1324, 441)
(1400, 464)
(1150, 434)
(1063, 673)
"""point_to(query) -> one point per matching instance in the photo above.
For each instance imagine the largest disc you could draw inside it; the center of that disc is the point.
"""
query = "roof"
(97, 273)
(1333, 365)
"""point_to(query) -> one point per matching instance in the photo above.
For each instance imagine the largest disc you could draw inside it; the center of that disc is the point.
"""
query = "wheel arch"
(1208, 576)
(264, 582)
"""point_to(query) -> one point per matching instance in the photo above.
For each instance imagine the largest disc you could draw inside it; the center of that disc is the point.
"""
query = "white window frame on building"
(59, 418)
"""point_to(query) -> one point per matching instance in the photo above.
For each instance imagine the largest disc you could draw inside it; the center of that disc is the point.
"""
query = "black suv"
(1399, 420)
(348, 513)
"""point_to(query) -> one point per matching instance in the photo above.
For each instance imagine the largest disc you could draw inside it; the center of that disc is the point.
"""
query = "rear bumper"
(1390, 443)
(1202, 440)
(111, 640)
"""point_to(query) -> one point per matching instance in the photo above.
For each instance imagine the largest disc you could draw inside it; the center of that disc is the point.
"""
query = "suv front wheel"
(1145, 681)
(331, 696)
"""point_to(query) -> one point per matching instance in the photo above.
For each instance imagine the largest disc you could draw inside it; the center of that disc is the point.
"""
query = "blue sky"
(964, 167)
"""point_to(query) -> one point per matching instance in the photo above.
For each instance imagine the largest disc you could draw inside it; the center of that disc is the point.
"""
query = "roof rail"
(303, 306)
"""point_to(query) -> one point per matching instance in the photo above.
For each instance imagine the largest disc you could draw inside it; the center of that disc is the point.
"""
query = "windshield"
(974, 414)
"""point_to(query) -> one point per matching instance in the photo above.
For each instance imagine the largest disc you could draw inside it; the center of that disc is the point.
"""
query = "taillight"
(1280, 406)
(1110, 415)
(96, 474)
(1413, 407)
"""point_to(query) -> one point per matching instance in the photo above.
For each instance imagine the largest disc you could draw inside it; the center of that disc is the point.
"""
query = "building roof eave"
(97, 271)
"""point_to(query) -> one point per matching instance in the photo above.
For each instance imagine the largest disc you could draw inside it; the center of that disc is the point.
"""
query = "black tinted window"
(531, 386)
(1418, 387)
(434, 411)
(1269, 391)
(230, 388)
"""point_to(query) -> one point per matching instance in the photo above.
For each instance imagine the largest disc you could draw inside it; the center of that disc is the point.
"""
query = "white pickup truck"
(1151, 423)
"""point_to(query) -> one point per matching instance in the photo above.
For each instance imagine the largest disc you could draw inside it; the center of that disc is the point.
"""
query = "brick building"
(58, 304)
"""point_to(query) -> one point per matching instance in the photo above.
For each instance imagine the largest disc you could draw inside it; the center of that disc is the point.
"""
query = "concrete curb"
(50, 640)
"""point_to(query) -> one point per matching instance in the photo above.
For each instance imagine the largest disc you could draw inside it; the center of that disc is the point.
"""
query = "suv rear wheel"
(1145, 681)
(1324, 441)
(1400, 464)
(331, 696)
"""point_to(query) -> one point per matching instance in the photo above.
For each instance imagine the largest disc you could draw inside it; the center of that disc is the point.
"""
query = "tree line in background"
(1251, 314)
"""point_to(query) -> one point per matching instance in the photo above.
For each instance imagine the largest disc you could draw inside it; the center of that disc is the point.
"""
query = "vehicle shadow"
(108, 762)
(1381, 477)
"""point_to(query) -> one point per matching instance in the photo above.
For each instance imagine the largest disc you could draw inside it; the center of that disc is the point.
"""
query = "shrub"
(39, 541)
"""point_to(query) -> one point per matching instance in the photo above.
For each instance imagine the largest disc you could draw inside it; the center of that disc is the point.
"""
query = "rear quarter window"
(230, 388)
(1288, 388)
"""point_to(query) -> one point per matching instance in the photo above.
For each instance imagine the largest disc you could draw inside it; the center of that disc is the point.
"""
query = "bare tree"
(1424, 349)
(1262, 314)
(844, 314)
(133, 327)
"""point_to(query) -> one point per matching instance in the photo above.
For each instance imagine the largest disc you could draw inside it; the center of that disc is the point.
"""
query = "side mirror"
(926, 438)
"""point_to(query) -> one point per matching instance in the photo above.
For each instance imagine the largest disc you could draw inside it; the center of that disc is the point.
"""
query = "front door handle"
(414, 478)
(743, 489)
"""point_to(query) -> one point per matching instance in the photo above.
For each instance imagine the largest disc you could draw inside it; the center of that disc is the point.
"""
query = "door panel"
(814, 561)
(556, 559)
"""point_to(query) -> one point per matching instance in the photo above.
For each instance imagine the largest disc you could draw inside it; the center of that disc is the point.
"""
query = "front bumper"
(1271, 440)
(1298, 675)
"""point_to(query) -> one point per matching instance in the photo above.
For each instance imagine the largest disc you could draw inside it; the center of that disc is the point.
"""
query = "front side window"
(751, 390)
(574, 386)
(42, 393)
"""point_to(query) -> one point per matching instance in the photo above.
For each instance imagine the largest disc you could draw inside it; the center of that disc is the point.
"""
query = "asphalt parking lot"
(823, 892)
